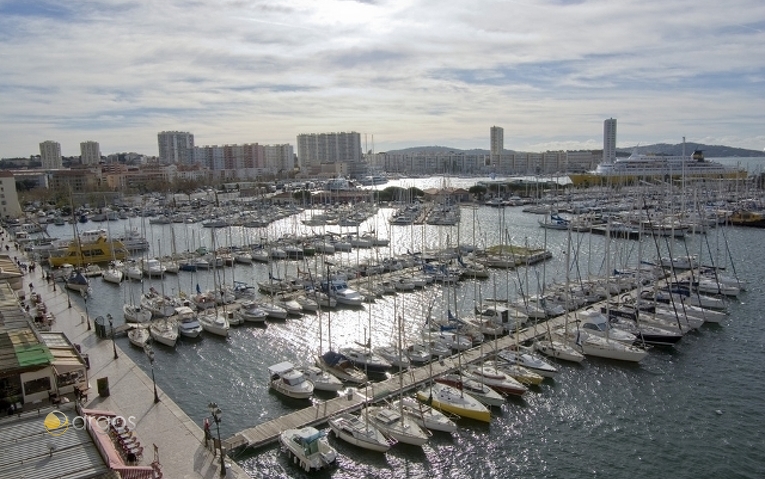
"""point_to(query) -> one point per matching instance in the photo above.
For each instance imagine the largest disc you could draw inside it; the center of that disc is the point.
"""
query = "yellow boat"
(79, 253)
(450, 399)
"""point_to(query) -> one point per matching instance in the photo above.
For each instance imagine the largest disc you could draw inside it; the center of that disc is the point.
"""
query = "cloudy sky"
(404, 72)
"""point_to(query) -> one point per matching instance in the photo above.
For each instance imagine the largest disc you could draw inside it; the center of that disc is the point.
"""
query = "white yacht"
(188, 325)
(165, 331)
(359, 432)
(308, 447)
(394, 424)
(425, 415)
(214, 322)
(287, 380)
(322, 380)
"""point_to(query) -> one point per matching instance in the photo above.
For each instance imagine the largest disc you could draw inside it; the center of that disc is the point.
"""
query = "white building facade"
(176, 147)
(50, 154)
(90, 153)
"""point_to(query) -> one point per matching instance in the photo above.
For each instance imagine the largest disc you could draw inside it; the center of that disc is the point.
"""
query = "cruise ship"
(646, 167)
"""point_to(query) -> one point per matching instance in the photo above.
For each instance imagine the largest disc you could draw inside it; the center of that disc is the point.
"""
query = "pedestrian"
(31, 287)
(207, 432)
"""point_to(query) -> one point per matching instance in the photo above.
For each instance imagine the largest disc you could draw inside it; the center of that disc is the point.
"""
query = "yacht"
(308, 447)
(341, 367)
(451, 400)
(322, 380)
(214, 322)
(188, 325)
(285, 379)
(359, 432)
(394, 424)
(483, 393)
(424, 415)
(165, 331)
(365, 360)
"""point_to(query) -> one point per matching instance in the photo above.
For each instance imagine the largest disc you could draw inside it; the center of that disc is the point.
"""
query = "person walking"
(207, 432)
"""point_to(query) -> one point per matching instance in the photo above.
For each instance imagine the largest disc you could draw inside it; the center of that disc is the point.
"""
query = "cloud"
(409, 72)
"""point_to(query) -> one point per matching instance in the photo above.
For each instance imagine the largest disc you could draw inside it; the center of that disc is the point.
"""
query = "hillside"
(710, 151)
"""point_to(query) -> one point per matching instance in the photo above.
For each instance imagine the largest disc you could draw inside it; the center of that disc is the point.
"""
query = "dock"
(268, 432)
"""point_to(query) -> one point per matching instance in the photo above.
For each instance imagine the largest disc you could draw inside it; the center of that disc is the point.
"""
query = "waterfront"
(600, 418)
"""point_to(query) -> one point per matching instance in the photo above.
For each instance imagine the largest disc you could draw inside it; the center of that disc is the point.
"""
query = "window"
(36, 386)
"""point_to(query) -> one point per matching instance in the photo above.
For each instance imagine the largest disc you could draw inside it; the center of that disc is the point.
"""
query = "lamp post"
(216, 414)
(111, 326)
(150, 353)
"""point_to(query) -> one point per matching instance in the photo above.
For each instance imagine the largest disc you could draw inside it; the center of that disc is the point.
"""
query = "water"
(693, 411)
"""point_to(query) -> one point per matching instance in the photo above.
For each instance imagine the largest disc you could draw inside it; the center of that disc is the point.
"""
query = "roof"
(31, 452)
(20, 347)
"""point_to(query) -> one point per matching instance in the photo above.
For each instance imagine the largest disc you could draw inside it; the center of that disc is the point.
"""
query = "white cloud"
(409, 72)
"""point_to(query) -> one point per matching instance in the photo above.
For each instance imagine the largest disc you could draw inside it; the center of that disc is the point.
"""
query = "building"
(176, 147)
(90, 153)
(50, 155)
(9, 198)
(280, 158)
(497, 143)
(317, 148)
(609, 140)
(76, 181)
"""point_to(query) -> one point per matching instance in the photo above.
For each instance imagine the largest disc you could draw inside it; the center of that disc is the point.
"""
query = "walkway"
(181, 441)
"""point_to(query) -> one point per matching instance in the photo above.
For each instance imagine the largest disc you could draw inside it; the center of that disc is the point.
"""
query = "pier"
(268, 432)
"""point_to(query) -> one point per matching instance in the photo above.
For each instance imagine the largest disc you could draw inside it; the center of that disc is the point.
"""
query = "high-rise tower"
(609, 140)
(497, 143)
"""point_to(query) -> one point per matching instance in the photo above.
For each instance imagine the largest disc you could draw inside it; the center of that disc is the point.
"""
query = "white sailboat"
(165, 331)
(354, 430)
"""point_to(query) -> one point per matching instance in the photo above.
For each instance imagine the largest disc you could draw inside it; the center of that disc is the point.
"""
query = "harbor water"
(692, 411)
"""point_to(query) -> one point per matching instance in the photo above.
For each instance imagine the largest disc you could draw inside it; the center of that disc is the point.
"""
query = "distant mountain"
(710, 151)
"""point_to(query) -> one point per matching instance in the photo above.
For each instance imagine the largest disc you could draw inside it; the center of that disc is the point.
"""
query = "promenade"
(180, 441)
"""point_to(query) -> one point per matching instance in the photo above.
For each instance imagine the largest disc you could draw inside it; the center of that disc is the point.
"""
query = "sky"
(402, 73)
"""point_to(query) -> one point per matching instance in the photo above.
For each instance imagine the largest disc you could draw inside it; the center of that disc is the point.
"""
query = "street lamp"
(150, 353)
(111, 326)
(216, 414)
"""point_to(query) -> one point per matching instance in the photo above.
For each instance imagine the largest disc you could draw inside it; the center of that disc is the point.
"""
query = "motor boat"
(287, 380)
(308, 447)
(188, 325)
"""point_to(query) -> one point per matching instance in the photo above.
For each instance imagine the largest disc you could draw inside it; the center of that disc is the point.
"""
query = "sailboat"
(213, 320)
(165, 331)
(425, 416)
(354, 430)
(452, 400)
(139, 336)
